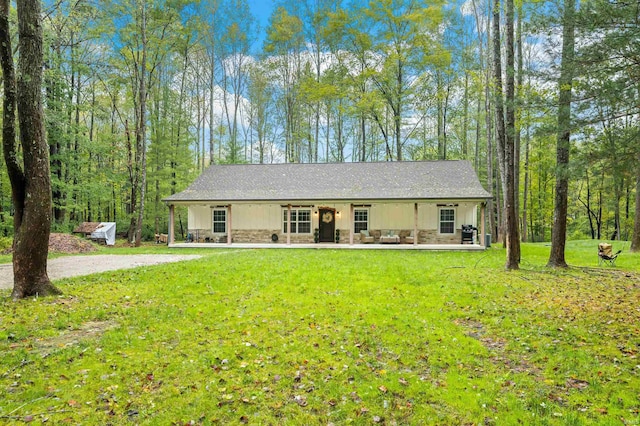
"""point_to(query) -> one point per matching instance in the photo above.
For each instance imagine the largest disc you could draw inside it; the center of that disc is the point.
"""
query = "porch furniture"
(409, 239)
(219, 238)
(366, 238)
(606, 256)
(467, 234)
(389, 237)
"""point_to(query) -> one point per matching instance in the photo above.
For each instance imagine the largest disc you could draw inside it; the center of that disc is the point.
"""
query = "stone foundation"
(250, 236)
(425, 236)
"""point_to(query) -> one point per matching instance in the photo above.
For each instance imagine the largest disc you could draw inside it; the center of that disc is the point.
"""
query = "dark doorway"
(327, 225)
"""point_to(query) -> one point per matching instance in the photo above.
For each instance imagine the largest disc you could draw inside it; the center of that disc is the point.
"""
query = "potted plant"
(337, 236)
(316, 235)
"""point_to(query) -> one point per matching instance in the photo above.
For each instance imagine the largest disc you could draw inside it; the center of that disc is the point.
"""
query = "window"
(300, 221)
(219, 221)
(360, 220)
(447, 221)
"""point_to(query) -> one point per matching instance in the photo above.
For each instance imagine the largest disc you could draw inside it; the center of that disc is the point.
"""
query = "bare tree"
(31, 183)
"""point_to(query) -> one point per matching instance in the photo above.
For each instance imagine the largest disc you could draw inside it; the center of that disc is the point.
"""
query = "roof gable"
(335, 181)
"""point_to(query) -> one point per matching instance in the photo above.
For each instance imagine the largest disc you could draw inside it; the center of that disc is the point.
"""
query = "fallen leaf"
(300, 400)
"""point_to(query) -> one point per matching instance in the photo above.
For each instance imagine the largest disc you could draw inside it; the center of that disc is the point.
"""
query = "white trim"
(213, 212)
(355, 212)
(439, 219)
(297, 210)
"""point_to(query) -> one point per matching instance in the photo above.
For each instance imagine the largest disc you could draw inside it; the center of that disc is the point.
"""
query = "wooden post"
(229, 239)
(483, 238)
(415, 224)
(289, 224)
(171, 237)
(353, 219)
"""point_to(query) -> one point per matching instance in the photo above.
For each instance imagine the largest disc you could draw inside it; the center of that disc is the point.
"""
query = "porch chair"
(409, 239)
(366, 238)
(605, 256)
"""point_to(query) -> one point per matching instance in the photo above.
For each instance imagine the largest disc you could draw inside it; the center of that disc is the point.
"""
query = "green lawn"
(271, 337)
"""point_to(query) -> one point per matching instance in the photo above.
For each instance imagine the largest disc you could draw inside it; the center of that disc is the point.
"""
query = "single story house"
(421, 202)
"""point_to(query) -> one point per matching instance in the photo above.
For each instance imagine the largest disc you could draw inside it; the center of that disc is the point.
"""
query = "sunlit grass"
(331, 336)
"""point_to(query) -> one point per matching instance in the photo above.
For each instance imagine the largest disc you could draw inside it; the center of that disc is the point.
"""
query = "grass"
(274, 337)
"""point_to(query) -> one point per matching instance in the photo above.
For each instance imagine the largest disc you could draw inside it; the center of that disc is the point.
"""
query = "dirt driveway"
(71, 266)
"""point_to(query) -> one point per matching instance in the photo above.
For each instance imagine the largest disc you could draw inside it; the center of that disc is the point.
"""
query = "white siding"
(343, 216)
(381, 216)
(200, 217)
(256, 216)
(392, 216)
(401, 215)
(466, 214)
(427, 216)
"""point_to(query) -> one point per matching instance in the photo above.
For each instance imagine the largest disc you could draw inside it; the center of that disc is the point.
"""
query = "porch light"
(338, 213)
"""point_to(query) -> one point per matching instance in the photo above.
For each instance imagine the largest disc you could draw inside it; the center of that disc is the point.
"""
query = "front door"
(327, 226)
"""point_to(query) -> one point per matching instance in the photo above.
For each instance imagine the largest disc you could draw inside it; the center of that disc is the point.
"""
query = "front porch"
(391, 225)
(332, 246)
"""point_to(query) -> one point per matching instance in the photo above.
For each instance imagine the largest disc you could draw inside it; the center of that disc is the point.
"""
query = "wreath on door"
(327, 217)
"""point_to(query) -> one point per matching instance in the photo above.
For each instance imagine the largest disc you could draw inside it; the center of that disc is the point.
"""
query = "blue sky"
(261, 10)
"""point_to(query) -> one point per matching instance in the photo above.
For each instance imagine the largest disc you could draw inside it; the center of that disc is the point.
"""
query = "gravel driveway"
(71, 266)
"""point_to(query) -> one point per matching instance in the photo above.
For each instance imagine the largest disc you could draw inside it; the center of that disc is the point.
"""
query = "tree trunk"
(635, 239)
(506, 130)
(511, 152)
(141, 128)
(31, 188)
(559, 233)
(465, 118)
(500, 136)
(518, 124)
(525, 196)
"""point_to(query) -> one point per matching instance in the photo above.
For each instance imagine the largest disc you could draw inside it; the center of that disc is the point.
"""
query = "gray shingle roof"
(335, 181)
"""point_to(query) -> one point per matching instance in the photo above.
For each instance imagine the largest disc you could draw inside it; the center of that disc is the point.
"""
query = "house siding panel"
(200, 217)
(256, 216)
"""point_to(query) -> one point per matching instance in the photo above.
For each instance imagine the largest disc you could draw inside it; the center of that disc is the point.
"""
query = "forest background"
(141, 95)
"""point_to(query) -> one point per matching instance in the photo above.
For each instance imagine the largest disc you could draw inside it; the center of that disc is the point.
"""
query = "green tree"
(238, 36)
(31, 184)
(608, 64)
(565, 83)
(405, 44)
(505, 125)
(284, 45)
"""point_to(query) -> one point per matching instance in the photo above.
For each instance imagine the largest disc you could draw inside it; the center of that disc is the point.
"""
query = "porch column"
(229, 224)
(289, 224)
(483, 207)
(352, 219)
(415, 224)
(170, 238)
